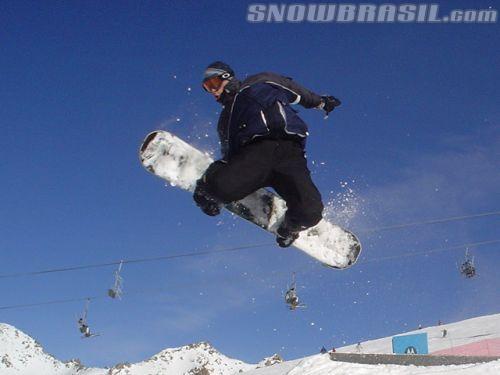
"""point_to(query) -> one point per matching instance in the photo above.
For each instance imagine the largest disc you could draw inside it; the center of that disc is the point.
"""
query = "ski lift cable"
(192, 254)
(144, 291)
(129, 261)
(54, 302)
(307, 268)
(231, 249)
(149, 291)
(161, 290)
(134, 292)
(429, 222)
(437, 250)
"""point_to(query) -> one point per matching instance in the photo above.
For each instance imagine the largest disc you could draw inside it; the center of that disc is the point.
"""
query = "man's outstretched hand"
(329, 103)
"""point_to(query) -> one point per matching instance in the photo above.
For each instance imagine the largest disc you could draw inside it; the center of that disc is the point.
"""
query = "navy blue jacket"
(260, 107)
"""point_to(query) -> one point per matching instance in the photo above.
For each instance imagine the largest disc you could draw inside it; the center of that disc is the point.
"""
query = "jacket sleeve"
(298, 94)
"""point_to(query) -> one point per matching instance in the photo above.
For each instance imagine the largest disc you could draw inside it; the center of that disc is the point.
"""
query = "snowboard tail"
(180, 164)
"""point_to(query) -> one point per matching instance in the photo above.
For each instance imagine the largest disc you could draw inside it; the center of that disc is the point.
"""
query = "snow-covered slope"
(193, 359)
(457, 334)
(20, 354)
(321, 365)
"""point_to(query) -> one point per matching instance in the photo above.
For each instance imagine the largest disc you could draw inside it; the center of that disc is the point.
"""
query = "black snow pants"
(279, 164)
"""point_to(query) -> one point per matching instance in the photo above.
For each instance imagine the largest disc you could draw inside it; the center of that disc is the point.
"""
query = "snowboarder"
(262, 142)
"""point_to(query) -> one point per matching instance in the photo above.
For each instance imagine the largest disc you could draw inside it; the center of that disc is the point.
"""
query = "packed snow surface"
(457, 334)
(322, 365)
(20, 354)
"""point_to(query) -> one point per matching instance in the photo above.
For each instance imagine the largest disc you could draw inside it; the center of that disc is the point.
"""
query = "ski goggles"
(213, 84)
(213, 78)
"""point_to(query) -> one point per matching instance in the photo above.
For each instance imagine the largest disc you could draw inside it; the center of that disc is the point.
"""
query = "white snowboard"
(180, 164)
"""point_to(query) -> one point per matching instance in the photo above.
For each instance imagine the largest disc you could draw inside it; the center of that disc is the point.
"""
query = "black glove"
(208, 204)
(328, 103)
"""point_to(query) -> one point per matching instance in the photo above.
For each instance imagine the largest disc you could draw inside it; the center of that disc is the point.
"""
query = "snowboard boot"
(208, 204)
(285, 237)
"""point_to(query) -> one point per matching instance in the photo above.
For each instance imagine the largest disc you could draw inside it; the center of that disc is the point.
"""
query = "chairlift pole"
(116, 291)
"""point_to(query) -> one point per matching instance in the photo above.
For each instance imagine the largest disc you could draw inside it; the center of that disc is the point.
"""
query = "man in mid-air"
(263, 145)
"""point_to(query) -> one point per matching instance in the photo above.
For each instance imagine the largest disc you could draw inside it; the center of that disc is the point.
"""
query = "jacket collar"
(230, 91)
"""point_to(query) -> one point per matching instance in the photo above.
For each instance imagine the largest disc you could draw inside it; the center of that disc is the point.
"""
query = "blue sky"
(416, 138)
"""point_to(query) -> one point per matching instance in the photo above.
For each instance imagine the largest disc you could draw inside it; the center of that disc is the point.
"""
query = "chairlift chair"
(468, 268)
(291, 297)
(82, 323)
